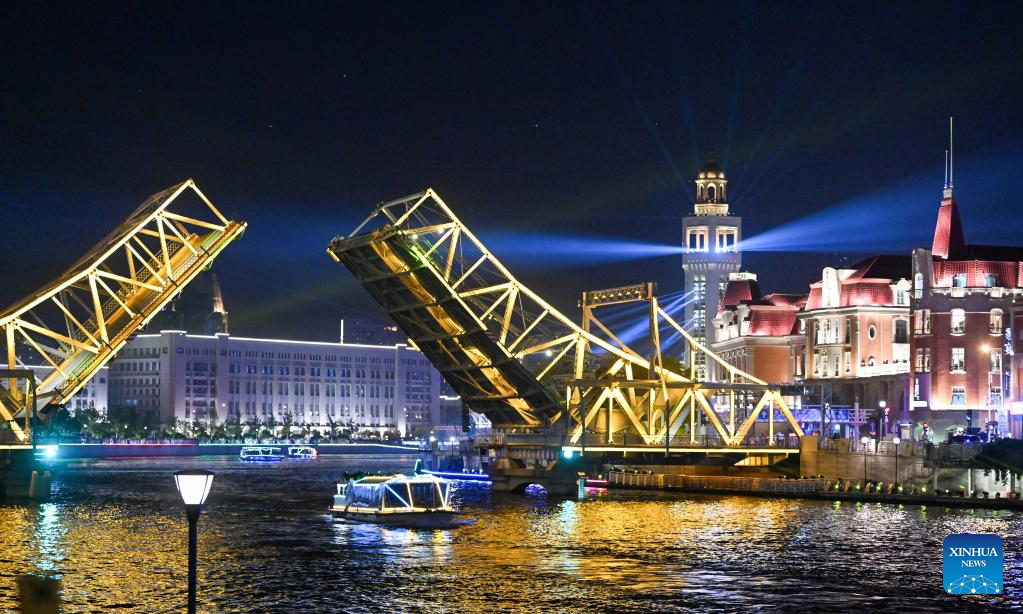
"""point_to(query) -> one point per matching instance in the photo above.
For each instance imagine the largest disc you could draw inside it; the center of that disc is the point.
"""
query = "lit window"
(958, 396)
(996, 322)
(989, 280)
(958, 321)
(959, 280)
(958, 360)
(918, 285)
(996, 361)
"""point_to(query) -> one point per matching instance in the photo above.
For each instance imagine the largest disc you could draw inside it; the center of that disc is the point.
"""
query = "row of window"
(957, 364)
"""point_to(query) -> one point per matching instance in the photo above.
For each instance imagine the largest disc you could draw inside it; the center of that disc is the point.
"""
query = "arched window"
(710, 193)
(699, 193)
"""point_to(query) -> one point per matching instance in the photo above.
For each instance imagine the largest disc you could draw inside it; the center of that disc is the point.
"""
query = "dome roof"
(711, 169)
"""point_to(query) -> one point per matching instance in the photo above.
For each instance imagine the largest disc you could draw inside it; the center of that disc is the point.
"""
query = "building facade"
(201, 377)
(93, 394)
(848, 335)
(856, 322)
(760, 334)
(711, 252)
(965, 300)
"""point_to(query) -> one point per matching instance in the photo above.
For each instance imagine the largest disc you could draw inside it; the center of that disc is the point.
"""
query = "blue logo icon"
(972, 564)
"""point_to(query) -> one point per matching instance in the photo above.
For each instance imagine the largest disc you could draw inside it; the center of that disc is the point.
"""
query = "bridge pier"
(22, 476)
(558, 477)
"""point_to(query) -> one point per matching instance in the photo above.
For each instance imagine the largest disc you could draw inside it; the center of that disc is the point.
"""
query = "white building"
(711, 253)
(93, 393)
(378, 388)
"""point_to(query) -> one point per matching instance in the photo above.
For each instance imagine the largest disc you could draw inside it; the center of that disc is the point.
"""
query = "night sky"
(536, 122)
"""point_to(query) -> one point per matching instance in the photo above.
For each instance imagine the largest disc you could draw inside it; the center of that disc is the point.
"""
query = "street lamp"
(865, 440)
(896, 441)
(193, 486)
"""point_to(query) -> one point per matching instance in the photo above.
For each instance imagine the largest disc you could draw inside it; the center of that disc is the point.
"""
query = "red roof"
(771, 321)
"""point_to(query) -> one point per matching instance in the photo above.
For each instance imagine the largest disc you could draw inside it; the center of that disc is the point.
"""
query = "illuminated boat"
(261, 454)
(301, 452)
(458, 476)
(416, 501)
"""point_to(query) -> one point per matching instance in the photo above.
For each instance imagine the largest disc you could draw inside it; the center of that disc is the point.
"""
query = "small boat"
(452, 475)
(414, 501)
(300, 452)
(261, 454)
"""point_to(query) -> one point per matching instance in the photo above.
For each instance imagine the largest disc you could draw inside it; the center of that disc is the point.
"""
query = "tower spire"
(949, 163)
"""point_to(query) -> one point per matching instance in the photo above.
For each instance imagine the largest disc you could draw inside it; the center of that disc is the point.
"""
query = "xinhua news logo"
(972, 564)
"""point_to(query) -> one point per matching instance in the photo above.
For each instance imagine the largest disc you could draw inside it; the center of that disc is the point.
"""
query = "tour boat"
(301, 452)
(261, 453)
(415, 501)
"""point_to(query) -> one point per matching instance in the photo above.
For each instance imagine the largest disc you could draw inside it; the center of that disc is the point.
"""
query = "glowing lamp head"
(896, 440)
(567, 453)
(193, 485)
(864, 439)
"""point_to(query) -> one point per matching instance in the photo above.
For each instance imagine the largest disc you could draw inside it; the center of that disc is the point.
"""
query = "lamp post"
(865, 440)
(193, 486)
(896, 441)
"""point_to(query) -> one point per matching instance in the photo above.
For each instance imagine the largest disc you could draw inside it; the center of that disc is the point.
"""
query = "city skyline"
(841, 125)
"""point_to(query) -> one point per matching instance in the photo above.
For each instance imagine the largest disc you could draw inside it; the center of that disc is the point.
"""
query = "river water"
(115, 535)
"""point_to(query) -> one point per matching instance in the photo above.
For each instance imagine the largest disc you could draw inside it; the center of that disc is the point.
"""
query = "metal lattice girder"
(77, 322)
(504, 349)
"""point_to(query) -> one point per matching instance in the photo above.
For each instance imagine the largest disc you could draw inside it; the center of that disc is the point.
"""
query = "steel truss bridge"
(533, 371)
(78, 322)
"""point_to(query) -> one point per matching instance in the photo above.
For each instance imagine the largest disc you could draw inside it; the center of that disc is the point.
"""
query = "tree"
(60, 424)
(287, 420)
(233, 427)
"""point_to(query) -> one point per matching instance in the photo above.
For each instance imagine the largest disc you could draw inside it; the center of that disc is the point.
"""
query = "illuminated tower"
(712, 252)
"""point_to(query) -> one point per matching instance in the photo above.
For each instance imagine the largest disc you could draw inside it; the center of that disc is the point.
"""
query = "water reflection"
(115, 534)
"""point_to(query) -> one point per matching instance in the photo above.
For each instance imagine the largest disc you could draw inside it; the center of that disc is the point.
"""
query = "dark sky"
(535, 121)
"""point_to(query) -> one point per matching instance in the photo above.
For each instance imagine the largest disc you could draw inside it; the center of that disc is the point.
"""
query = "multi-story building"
(93, 393)
(198, 377)
(964, 301)
(850, 334)
(760, 334)
(711, 252)
(857, 337)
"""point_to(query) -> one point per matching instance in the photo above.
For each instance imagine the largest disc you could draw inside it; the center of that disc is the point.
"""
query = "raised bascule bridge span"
(552, 388)
(76, 323)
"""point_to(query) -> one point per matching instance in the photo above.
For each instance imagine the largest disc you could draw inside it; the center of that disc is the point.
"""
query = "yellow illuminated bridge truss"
(529, 368)
(77, 322)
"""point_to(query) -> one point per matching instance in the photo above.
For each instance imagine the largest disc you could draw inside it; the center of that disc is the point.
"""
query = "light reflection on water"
(115, 534)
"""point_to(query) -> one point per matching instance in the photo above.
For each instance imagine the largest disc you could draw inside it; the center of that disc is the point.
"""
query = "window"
(959, 280)
(958, 360)
(918, 285)
(958, 321)
(922, 321)
(901, 331)
(996, 322)
(901, 296)
(698, 239)
(918, 364)
(726, 237)
(996, 361)
(848, 362)
(989, 280)
(871, 331)
(958, 396)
